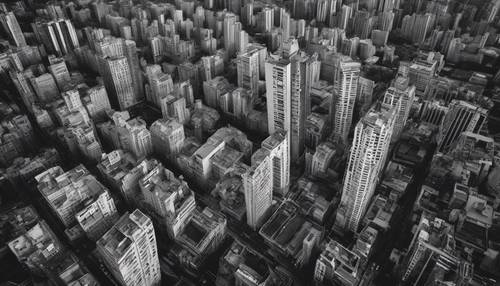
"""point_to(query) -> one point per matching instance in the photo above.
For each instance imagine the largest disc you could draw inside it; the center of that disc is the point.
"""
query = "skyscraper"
(58, 36)
(366, 160)
(433, 246)
(229, 33)
(400, 96)
(302, 79)
(12, 28)
(118, 80)
(258, 186)
(345, 89)
(278, 148)
(248, 71)
(130, 52)
(364, 95)
(462, 116)
(278, 87)
(130, 251)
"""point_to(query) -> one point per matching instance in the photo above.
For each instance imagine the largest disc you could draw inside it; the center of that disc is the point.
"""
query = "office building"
(60, 72)
(58, 36)
(258, 186)
(45, 87)
(96, 102)
(136, 138)
(278, 148)
(118, 78)
(338, 265)
(213, 89)
(36, 248)
(248, 70)
(131, 53)
(345, 90)
(416, 27)
(168, 199)
(229, 33)
(204, 232)
(364, 96)
(399, 96)
(161, 85)
(12, 28)
(302, 79)
(237, 103)
(76, 196)
(97, 216)
(315, 129)
(278, 88)
(461, 116)
(167, 137)
(420, 74)
(369, 149)
(130, 252)
(432, 250)
(114, 166)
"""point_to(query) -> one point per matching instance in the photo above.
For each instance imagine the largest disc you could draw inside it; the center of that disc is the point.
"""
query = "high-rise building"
(400, 96)
(364, 95)
(461, 116)
(345, 14)
(98, 216)
(45, 87)
(339, 265)
(258, 186)
(420, 73)
(170, 200)
(58, 36)
(416, 27)
(277, 146)
(175, 107)
(167, 136)
(60, 72)
(345, 89)
(130, 251)
(248, 70)
(372, 137)
(66, 192)
(118, 81)
(12, 28)
(130, 52)
(111, 49)
(265, 20)
(278, 88)
(302, 79)
(433, 246)
(97, 102)
(138, 138)
(229, 33)
(213, 89)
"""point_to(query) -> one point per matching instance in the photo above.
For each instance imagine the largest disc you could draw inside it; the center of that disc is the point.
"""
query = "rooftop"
(120, 237)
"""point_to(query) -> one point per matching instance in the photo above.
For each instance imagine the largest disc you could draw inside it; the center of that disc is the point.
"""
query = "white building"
(278, 87)
(400, 96)
(368, 153)
(345, 90)
(277, 146)
(130, 251)
(258, 186)
(118, 77)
